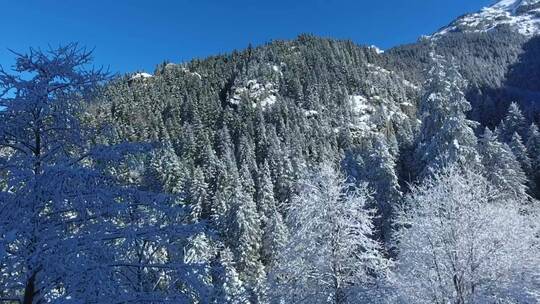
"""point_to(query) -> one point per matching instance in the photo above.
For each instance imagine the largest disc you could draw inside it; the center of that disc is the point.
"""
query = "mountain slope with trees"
(312, 170)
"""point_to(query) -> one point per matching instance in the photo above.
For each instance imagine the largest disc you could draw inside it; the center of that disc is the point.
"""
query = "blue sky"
(131, 35)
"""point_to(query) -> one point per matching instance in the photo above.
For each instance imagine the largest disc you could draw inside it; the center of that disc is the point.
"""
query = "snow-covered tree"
(513, 122)
(330, 253)
(166, 169)
(533, 147)
(446, 135)
(196, 195)
(69, 226)
(274, 230)
(244, 235)
(501, 166)
(228, 286)
(379, 172)
(51, 194)
(520, 152)
(462, 242)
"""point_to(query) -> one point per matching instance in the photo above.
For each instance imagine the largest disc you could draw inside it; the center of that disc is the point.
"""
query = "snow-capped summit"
(522, 16)
(513, 5)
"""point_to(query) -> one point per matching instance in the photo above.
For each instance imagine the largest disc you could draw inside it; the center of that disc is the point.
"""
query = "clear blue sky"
(130, 35)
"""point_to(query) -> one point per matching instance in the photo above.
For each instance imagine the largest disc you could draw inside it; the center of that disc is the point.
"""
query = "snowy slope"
(522, 16)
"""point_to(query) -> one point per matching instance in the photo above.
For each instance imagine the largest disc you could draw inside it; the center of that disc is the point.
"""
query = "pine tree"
(167, 170)
(261, 139)
(42, 131)
(196, 195)
(501, 166)
(225, 187)
(513, 122)
(246, 155)
(274, 230)
(520, 152)
(378, 171)
(228, 288)
(446, 135)
(244, 234)
(533, 147)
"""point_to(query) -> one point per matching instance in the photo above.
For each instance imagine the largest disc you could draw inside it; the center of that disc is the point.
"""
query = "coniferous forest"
(311, 170)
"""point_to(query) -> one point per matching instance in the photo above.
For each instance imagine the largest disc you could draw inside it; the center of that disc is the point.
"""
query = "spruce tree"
(379, 172)
(501, 166)
(196, 195)
(520, 152)
(533, 147)
(274, 230)
(244, 236)
(513, 122)
(446, 135)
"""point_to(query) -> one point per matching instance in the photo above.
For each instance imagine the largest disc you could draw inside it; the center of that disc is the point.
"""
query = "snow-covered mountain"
(522, 16)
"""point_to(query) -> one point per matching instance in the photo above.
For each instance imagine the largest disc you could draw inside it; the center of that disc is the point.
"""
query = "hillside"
(311, 170)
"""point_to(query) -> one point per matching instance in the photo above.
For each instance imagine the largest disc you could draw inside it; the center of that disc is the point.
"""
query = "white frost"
(141, 76)
(263, 95)
(376, 49)
(358, 104)
(310, 113)
(504, 12)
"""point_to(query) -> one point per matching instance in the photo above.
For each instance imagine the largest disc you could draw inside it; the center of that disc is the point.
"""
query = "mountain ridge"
(522, 16)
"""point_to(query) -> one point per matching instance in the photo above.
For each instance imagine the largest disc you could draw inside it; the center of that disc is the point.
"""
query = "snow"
(358, 104)
(505, 12)
(197, 75)
(406, 104)
(268, 101)
(263, 95)
(513, 5)
(376, 49)
(378, 70)
(142, 75)
(192, 73)
(507, 5)
(310, 113)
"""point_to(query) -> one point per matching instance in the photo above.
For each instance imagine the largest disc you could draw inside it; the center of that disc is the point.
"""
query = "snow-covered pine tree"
(331, 252)
(501, 166)
(446, 135)
(533, 147)
(244, 236)
(520, 152)
(379, 172)
(513, 122)
(463, 241)
(228, 286)
(224, 189)
(280, 167)
(196, 195)
(246, 155)
(274, 230)
(167, 170)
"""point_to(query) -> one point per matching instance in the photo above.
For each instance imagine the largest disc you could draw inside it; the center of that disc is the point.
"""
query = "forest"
(311, 170)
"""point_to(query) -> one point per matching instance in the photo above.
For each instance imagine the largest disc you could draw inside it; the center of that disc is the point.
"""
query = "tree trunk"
(30, 290)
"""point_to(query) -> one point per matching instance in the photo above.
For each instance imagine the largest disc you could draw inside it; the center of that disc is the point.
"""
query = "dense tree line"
(305, 171)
